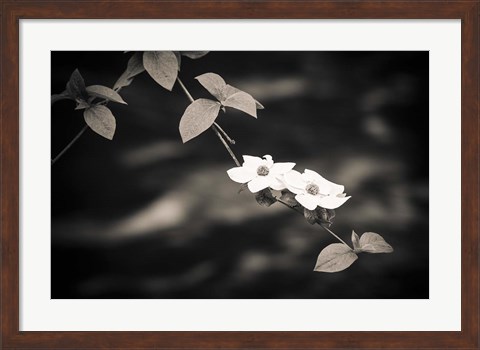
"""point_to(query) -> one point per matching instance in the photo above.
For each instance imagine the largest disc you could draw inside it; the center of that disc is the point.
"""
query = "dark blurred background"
(145, 216)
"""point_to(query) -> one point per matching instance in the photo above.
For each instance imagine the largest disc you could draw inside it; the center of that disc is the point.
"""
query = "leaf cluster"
(92, 99)
(162, 66)
(338, 256)
(202, 113)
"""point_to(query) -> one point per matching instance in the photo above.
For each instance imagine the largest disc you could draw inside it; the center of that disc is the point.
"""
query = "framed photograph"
(229, 174)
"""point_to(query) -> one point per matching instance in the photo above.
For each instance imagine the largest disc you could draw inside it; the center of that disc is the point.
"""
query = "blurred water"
(145, 216)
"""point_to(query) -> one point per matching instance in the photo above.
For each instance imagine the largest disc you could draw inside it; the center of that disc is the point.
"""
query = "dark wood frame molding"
(14, 10)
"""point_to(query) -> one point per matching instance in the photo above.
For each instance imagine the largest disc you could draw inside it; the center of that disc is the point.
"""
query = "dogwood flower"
(313, 190)
(260, 173)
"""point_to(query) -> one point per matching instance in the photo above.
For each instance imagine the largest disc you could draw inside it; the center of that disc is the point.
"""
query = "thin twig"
(228, 138)
(226, 145)
(59, 97)
(300, 211)
(185, 90)
(190, 97)
(70, 144)
(334, 235)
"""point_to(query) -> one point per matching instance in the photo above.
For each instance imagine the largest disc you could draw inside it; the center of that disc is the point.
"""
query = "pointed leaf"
(335, 257)
(162, 67)
(371, 242)
(198, 117)
(105, 93)
(243, 102)
(76, 86)
(134, 67)
(214, 84)
(230, 90)
(81, 104)
(355, 242)
(194, 54)
(101, 120)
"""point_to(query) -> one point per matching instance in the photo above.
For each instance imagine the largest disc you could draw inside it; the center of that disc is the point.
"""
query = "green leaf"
(134, 67)
(194, 54)
(371, 242)
(243, 102)
(198, 117)
(335, 257)
(214, 84)
(162, 67)
(76, 86)
(355, 242)
(101, 120)
(230, 90)
(105, 93)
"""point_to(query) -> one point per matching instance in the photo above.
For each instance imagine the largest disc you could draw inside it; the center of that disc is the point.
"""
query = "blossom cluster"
(310, 188)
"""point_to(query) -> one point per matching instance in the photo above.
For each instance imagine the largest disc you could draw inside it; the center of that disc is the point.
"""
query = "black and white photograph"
(239, 174)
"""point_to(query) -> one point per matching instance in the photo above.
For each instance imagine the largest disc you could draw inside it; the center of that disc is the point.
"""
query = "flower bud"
(320, 216)
(310, 215)
(265, 198)
(326, 216)
(289, 198)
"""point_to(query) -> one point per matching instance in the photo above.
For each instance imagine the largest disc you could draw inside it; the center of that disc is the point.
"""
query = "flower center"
(312, 189)
(262, 170)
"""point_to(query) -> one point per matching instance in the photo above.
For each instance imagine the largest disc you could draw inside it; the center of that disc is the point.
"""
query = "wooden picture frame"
(14, 10)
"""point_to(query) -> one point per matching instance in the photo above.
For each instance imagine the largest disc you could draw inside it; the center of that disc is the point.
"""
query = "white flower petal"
(307, 200)
(268, 161)
(281, 168)
(307, 176)
(252, 162)
(241, 174)
(333, 188)
(295, 189)
(323, 189)
(277, 183)
(293, 180)
(259, 183)
(332, 202)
